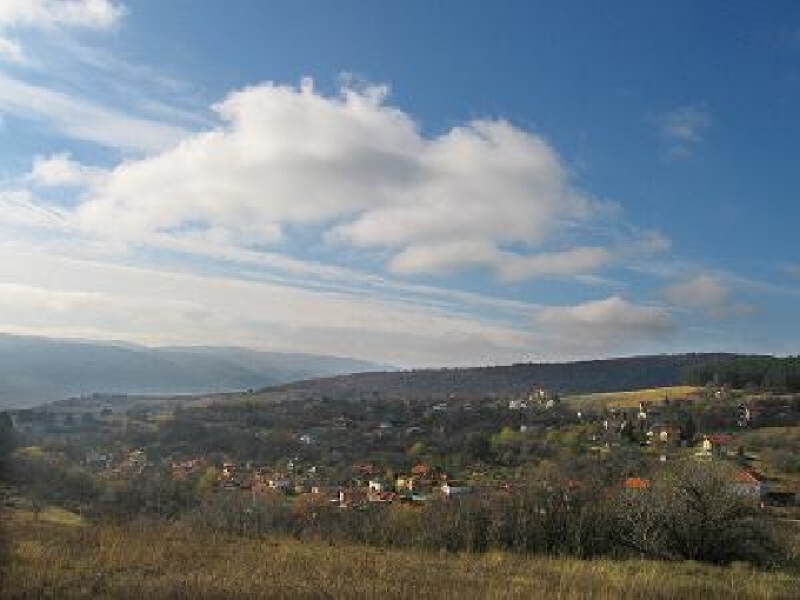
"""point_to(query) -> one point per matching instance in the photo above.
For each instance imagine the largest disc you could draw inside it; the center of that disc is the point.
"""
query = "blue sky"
(419, 183)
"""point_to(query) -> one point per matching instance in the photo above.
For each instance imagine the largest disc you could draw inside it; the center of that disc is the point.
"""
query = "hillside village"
(385, 451)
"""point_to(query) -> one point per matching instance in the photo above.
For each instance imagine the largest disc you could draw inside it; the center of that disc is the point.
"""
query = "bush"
(695, 512)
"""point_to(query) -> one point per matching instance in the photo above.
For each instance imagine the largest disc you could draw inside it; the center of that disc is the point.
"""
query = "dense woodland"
(755, 372)
(609, 375)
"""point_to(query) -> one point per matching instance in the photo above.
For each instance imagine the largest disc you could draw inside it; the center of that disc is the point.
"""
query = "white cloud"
(709, 293)
(610, 318)
(11, 51)
(60, 170)
(350, 168)
(89, 14)
(483, 181)
(84, 119)
(362, 170)
(447, 256)
(701, 291)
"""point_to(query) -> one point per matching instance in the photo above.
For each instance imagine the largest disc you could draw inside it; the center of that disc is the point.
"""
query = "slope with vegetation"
(594, 376)
(757, 372)
(467, 484)
(169, 561)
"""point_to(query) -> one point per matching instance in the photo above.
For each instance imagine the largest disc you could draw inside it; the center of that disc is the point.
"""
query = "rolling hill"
(608, 375)
(36, 370)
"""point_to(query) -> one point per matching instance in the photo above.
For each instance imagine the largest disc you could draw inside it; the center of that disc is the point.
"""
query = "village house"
(404, 483)
(351, 497)
(747, 484)
(279, 482)
(263, 482)
(378, 485)
(544, 398)
(420, 470)
(517, 405)
(453, 489)
(664, 433)
(228, 471)
(637, 484)
(716, 446)
(385, 497)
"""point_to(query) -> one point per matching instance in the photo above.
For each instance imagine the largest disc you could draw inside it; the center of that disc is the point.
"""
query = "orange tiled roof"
(745, 477)
(637, 483)
(420, 469)
(721, 439)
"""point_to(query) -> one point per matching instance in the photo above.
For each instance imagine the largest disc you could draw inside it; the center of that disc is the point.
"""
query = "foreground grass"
(57, 561)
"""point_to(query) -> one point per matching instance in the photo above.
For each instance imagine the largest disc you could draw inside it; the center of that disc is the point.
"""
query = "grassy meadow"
(64, 559)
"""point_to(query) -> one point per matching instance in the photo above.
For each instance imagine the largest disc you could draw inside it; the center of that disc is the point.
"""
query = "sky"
(421, 183)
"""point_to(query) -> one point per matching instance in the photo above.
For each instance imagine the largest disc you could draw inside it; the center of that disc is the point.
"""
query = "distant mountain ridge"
(588, 376)
(38, 370)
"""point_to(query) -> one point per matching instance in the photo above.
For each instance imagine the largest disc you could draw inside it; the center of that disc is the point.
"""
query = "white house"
(451, 490)
(376, 485)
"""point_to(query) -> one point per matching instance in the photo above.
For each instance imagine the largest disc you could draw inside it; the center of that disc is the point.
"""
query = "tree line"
(763, 372)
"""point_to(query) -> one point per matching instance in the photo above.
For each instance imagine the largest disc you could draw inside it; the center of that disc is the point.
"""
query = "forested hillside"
(617, 374)
(762, 372)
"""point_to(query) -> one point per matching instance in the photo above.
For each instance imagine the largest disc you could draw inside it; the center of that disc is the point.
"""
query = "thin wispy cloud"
(702, 291)
(49, 100)
(83, 119)
(11, 51)
(684, 129)
(711, 293)
(20, 208)
(49, 14)
(793, 270)
(72, 296)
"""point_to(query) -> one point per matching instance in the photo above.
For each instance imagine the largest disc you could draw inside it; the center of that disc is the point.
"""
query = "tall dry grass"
(154, 561)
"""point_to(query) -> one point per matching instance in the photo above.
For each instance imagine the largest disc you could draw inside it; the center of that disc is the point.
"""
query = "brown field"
(49, 560)
(631, 399)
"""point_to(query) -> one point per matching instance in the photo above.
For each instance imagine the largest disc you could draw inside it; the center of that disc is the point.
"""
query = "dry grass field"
(50, 560)
(632, 399)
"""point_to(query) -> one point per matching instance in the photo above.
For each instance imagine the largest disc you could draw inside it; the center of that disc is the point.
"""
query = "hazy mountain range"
(37, 370)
